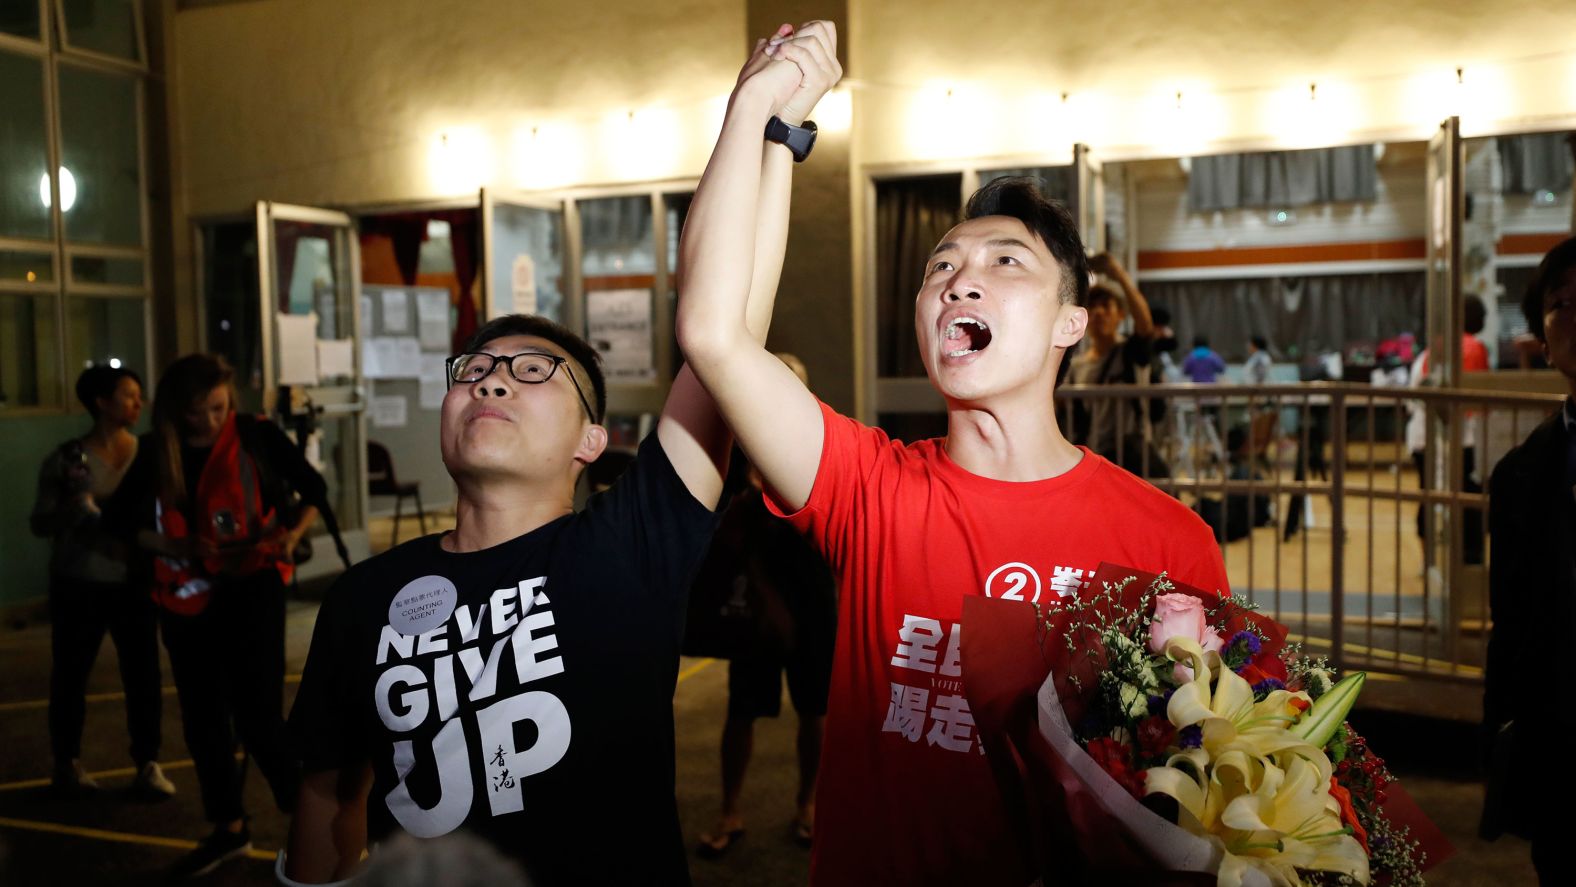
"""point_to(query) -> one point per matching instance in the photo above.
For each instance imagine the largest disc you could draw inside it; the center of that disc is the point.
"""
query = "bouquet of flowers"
(1180, 739)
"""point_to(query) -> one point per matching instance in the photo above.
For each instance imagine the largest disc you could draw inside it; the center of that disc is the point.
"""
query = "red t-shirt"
(905, 795)
(1474, 354)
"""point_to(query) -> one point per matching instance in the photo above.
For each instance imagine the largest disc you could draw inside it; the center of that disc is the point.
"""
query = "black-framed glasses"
(530, 367)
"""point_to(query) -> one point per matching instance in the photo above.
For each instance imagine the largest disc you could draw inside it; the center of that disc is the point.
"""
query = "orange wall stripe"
(620, 282)
(1152, 260)
(1529, 244)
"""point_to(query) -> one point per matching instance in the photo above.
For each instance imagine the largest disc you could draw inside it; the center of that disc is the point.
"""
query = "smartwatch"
(798, 139)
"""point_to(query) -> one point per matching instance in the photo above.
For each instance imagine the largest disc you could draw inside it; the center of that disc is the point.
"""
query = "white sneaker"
(151, 780)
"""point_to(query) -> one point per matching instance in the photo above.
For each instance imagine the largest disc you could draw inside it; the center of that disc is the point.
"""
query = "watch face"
(797, 139)
(802, 142)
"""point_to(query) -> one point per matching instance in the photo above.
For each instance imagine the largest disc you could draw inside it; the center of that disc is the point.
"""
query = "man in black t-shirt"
(515, 677)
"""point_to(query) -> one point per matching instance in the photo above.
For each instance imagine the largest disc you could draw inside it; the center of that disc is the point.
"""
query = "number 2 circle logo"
(1009, 581)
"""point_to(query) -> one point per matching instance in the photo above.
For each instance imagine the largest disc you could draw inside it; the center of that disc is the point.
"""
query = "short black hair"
(574, 345)
(1555, 265)
(1200, 341)
(100, 381)
(1260, 342)
(1161, 316)
(1020, 198)
(1474, 315)
(1105, 292)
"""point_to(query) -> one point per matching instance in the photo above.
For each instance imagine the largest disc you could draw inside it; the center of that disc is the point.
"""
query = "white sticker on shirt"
(422, 605)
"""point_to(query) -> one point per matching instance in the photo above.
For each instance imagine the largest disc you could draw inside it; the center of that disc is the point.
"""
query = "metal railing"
(1368, 542)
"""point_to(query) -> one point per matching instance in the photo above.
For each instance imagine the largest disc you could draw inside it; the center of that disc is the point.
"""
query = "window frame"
(622, 397)
(875, 394)
(53, 50)
(18, 42)
(139, 35)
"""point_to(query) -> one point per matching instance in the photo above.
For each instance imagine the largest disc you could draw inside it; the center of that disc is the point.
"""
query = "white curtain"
(1272, 179)
(1301, 317)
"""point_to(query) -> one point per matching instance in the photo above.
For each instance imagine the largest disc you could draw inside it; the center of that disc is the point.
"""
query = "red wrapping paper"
(1072, 818)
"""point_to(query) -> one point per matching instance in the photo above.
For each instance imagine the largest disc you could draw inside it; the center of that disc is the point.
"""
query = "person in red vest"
(213, 498)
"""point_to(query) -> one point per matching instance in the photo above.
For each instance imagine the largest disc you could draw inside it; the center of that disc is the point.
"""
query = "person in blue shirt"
(1203, 364)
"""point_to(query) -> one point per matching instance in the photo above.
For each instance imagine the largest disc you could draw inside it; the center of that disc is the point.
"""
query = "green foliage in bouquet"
(1178, 693)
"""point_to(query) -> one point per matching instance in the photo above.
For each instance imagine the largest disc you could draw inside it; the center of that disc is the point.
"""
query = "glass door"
(1089, 199)
(1444, 458)
(308, 282)
(523, 259)
(1446, 208)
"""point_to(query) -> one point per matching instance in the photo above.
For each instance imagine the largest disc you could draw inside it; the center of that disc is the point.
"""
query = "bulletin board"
(405, 335)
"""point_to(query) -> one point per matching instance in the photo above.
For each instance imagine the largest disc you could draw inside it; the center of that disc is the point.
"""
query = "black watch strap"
(798, 139)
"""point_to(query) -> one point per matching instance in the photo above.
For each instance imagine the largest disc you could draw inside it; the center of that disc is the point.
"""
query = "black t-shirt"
(783, 562)
(539, 714)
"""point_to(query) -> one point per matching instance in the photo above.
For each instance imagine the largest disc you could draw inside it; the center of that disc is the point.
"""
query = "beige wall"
(345, 102)
(1384, 70)
(332, 101)
(335, 102)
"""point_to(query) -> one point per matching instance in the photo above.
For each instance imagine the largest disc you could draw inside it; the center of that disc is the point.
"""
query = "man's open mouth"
(965, 336)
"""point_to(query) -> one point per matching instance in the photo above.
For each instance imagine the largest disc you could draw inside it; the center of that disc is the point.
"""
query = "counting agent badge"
(422, 605)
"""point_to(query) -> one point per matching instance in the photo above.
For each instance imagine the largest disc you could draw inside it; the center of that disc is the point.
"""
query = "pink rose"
(1181, 615)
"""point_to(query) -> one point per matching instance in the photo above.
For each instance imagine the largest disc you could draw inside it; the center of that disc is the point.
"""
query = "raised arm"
(731, 255)
(1137, 305)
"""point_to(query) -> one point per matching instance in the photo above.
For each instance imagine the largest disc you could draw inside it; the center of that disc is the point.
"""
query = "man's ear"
(1071, 324)
(593, 440)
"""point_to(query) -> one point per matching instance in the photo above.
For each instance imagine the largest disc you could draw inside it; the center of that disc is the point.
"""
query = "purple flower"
(1157, 705)
(1248, 640)
(1191, 736)
(1267, 686)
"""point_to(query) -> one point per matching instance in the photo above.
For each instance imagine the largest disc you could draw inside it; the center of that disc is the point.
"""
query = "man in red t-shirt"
(1002, 506)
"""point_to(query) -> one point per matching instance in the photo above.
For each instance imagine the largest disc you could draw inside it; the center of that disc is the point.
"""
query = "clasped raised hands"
(795, 67)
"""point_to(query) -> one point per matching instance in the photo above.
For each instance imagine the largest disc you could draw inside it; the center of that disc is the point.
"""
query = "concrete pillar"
(815, 311)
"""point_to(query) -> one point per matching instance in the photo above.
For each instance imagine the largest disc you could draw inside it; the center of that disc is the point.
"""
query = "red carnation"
(1253, 674)
(1113, 757)
(1271, 665)
(1154, 735)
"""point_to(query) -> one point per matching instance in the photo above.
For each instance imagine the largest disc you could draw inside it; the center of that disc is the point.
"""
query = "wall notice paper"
(432, 320)
(618, 323)
(389, 411)
(297, 348)
(371, 359)
(434, 384)
(392, 357)
(396, 312)
(523, 282)
(407, 358)
(366, 317)
(336, 357)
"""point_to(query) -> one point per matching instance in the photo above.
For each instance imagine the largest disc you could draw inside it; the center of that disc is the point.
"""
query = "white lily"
(1261, 792)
